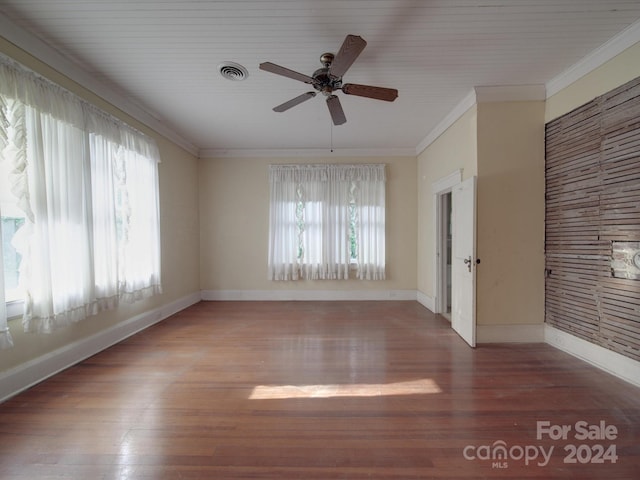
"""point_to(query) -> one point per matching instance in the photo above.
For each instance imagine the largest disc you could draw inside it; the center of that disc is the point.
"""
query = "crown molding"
(43, 52)
(510, 93)
(616, 45)
(460, 109)
(49, 56)
(608, 50)
(307, 153)
(497, 93)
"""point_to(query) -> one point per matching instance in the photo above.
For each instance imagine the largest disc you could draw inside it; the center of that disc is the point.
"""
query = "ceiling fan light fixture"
(233, 71)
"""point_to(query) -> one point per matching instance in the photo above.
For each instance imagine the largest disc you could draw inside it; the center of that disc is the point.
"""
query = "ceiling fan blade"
(379, 93)
(285, 72)
(294, 101)
(349, 51)
(335, 109)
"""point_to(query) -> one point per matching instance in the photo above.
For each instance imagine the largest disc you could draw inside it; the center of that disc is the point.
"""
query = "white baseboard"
(622, 367)
(17, 379)
(528, 333)
(302, 295)
(426, 301)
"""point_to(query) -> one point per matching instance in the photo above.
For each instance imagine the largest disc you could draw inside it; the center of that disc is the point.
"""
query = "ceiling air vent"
(233, 71)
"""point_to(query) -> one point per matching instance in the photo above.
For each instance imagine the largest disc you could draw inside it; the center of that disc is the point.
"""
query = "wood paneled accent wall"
(593, 215)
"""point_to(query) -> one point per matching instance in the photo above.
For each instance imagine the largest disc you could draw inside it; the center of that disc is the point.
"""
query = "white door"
(463, 283)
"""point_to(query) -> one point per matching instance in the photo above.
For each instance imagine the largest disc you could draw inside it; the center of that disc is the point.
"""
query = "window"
(79, 205)
(11, 218)
(11, 258)
(325, 218)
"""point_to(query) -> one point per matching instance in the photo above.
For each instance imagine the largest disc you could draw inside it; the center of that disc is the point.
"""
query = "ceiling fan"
(328, 79)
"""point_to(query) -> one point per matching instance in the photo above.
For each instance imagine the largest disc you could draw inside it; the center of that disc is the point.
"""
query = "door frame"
(439, 188)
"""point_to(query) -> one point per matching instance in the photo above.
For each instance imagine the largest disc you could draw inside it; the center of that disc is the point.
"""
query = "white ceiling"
(161, 56)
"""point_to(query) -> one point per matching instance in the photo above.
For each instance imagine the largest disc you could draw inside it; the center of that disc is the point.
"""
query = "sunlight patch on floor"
(415, 387)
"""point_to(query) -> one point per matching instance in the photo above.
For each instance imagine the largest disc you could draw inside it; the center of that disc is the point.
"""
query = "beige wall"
(179, 236)
(455, 149)
(234, 221)
(620, 69)
(503, 144)
(510, 206)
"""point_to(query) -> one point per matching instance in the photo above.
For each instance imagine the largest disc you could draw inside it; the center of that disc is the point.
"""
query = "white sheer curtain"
(337, 222)
(5, 335)
(56, 257)
(88, 186)
(284, 235)
(104, 194)
(312, 245)
(370, 224)
(12, 155)
(317, 212)
(139, 258)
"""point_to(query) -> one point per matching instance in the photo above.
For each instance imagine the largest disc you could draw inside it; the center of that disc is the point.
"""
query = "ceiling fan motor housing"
(324, 81)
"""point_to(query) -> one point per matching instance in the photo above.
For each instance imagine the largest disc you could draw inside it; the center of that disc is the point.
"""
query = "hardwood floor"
(318, 390)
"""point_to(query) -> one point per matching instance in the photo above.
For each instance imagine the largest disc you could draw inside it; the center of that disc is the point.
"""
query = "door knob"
(468, 262)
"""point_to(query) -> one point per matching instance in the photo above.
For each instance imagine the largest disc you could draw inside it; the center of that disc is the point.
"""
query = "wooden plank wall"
(593, 200)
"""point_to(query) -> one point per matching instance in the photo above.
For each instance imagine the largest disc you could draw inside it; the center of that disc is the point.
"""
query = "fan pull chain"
(331, 123)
